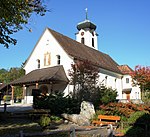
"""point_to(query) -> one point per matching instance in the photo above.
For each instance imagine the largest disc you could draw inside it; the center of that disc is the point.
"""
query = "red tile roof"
(125, 69)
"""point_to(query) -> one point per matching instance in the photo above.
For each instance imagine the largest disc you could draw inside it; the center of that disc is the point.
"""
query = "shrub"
(107, 95)
(135, 131)
(123, 109)
(58, 104)
(55, 118)
(44, 121)
(7, 97)
(135, 116)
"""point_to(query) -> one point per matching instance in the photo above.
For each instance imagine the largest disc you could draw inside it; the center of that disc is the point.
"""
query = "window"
(82, 40)
(92, 42)
(115, 82)
(106, 80)
(58, 59)
(38, 63)
(47, 59)
(127, 80)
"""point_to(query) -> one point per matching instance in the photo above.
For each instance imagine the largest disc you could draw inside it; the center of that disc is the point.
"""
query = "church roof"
(125, 69)
(82, 52)
(52, 74)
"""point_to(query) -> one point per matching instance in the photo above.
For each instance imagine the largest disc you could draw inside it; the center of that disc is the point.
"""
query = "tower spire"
(86, 12)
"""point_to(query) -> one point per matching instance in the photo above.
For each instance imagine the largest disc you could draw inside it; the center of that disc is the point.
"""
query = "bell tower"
(86, 33)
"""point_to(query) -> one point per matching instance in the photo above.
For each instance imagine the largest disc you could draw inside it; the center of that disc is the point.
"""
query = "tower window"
(92, 42)
(82, 40)
(38, 65)
(127, 80)
(58, 59)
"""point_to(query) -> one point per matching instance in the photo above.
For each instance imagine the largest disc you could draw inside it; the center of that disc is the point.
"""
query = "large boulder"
(87, 112)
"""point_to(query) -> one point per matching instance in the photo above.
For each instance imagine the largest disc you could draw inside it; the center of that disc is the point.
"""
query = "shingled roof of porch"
(54, 74)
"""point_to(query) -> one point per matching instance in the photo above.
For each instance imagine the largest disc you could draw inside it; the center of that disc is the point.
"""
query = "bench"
(105, 120)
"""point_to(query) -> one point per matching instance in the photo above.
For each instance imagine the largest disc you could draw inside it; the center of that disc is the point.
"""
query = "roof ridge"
(75, 49)
(77, 42)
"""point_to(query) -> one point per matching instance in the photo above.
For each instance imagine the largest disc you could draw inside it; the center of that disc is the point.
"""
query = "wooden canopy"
(54, 74)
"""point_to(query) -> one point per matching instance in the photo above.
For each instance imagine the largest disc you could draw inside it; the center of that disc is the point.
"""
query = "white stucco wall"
(48, 43)
(135, 92)
(87, 38)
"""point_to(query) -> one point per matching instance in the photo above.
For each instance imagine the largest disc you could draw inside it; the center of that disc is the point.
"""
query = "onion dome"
(86, 24)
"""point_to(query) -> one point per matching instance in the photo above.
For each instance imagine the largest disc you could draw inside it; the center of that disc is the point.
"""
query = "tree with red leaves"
(141, 76)
(84, 77)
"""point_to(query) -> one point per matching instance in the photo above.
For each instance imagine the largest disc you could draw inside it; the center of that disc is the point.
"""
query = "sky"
(123, 27)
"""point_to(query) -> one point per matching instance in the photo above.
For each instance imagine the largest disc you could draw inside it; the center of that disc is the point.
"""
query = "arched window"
(38, 63)
(82, 40)
(92, 42)
(58, 59)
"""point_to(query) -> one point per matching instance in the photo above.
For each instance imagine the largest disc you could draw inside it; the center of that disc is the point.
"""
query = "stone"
(87, 110)
(83, 119)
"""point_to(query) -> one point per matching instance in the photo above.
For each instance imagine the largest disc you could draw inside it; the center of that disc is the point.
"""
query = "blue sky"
(123, 27)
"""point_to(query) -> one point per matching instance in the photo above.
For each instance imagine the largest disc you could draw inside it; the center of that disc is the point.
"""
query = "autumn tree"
(84, 77)
(141, 76)
(14, 14)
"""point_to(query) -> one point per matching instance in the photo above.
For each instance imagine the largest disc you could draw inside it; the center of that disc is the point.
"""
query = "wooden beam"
(12, 95)
(37, 85)
(24, 92)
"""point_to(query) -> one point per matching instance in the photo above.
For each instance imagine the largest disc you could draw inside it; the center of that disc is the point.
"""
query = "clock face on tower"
(82, 33)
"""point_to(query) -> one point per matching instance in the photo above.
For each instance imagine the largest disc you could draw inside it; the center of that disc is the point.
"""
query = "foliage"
(138, 124)
(6, 98)
(135, 117)
(55, 118)
(135, 131)
(141, 76)
(84, 77)
(139, 117)
(18, 92)
(57, 103)
(14, 14)
(44, 121)
(6, 76)
(124, 109)
(107, 95)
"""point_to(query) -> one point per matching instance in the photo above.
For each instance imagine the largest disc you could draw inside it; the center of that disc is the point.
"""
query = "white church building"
(52, 56)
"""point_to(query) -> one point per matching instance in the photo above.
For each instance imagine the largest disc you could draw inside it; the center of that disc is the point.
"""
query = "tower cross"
(86, 12)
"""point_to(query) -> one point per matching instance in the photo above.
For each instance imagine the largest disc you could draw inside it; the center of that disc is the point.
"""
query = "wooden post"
(37, 85)
(24, 93)
(12, 95)
(5, 107)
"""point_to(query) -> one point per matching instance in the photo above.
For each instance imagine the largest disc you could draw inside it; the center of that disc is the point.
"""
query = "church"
(49, 62)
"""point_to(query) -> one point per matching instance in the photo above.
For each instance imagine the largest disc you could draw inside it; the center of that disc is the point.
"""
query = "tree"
(6, 76)
(84, 77)
(14, 14)
(141, 76)
(2, 75)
